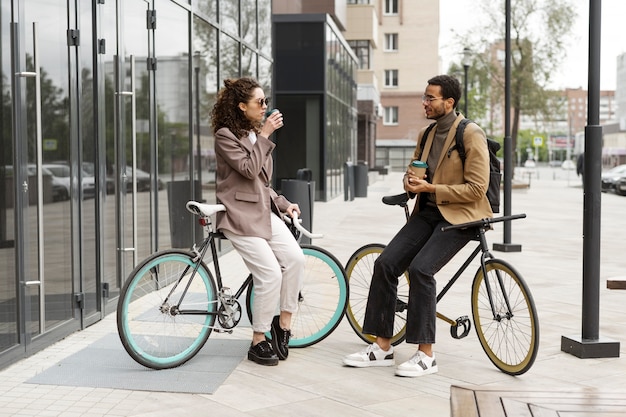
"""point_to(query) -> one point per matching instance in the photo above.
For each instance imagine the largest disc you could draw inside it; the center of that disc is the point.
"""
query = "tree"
(540, 30)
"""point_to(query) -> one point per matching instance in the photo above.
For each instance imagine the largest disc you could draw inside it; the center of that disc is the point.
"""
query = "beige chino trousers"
(277, 267)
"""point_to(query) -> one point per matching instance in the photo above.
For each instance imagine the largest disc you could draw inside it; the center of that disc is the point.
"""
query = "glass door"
(46, 196)
(126, 87)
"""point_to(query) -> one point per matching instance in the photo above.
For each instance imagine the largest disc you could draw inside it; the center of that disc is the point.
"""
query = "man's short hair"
(450, 87)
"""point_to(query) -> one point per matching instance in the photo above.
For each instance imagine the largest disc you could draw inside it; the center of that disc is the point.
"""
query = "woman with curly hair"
(252, 219)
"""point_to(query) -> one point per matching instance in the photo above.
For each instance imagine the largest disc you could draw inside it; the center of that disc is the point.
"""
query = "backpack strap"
(460, 145)
(425, 136)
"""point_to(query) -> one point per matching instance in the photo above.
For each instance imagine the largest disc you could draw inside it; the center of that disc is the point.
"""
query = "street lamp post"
(467, 56)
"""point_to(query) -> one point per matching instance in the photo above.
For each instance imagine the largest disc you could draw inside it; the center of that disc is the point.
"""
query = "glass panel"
(229, 16)
(207, 85)
(229, 57)
(248, 24)
(208, 9)
(175, 142)
(136, 46)
(248, 63)
(265, 75)
(8, 291)
(265, 27)
(57, 190)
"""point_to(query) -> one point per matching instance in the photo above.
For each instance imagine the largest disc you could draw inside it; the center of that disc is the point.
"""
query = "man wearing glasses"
(451, 192)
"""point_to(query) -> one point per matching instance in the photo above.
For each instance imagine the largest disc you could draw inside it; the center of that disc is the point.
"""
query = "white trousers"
(277, 267)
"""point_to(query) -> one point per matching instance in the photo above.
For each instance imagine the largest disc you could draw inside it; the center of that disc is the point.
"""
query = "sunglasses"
(262, 101)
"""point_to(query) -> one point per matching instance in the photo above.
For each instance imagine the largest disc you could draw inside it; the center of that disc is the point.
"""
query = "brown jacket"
(460, 192)
(243, 184)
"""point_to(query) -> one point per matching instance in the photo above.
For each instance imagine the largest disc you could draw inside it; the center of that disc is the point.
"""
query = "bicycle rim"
(511, 343)
(322, 300)
(150, 330)
(359, 270)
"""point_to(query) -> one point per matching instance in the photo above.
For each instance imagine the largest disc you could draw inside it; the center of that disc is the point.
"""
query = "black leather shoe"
(262, 354)
(280, 339)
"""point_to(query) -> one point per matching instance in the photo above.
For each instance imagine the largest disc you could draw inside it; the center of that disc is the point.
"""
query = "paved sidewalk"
(312, 382)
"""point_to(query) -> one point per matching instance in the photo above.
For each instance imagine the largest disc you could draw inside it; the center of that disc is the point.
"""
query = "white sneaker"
(372, 355)
(420, 364)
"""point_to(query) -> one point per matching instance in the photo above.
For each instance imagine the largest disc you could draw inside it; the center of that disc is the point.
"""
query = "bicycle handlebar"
(297, 223)
(483, 222)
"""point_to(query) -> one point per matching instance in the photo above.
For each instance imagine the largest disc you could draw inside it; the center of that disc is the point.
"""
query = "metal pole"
(467, 60)
(507, 246)
(593, 171)
(465, 69)
(590, 345)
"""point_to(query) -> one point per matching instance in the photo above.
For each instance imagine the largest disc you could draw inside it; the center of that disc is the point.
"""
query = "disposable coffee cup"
(269, 112)
(418, 168)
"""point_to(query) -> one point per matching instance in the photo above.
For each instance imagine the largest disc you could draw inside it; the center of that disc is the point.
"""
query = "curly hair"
(226, 112)
(450, 87)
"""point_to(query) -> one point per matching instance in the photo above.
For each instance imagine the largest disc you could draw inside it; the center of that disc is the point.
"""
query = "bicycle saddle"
(204, 209)
(396, 200)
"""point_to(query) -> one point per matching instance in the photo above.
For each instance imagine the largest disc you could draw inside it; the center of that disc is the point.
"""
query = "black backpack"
(493, 191)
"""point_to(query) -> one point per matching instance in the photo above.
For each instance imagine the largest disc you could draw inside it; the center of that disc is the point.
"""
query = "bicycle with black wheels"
(503, 310)
(171, 301)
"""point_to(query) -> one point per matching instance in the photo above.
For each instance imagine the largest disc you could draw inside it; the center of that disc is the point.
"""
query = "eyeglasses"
(428, 99)
(262, 101)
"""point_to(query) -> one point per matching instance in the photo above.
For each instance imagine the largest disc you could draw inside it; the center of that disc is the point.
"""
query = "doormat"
(105, 364)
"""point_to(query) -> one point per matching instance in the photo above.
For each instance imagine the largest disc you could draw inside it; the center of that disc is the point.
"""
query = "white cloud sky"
(454, 16)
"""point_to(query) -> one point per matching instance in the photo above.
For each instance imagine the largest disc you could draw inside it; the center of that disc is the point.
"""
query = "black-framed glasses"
(429, 99)
(262, 101)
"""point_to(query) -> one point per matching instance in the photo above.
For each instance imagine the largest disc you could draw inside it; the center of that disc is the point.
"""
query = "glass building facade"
(315, 89)
(104, 134)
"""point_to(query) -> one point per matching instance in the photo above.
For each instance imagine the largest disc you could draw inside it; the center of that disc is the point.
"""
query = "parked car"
(568, 165)
(61, 181)
(612, 177)
(620, 186)
(143, 181)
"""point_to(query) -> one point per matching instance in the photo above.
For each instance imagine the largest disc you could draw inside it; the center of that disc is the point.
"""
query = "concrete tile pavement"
(312, 382)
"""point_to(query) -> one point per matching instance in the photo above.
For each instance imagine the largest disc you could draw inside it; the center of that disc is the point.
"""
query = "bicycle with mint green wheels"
(170, 303)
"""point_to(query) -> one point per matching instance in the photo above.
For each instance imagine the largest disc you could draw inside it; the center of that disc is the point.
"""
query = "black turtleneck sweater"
(441, 132)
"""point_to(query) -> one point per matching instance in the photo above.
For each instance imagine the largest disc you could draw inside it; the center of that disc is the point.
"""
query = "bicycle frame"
(208, 242)
(486, 254)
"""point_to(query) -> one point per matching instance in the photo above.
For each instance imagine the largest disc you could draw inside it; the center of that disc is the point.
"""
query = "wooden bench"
(616, 284)
(494, 402)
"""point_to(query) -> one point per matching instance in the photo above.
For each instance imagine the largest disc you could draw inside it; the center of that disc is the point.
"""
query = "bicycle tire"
(149, 328)
(359, 270)
(322, 302)
(511, 343)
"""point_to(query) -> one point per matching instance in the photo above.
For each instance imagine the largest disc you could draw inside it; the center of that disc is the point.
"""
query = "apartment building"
(398, 47)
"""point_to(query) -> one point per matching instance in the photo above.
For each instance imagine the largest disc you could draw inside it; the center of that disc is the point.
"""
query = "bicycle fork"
(496, 315)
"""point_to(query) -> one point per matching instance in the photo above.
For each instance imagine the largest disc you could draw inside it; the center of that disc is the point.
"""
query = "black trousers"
(423, 249)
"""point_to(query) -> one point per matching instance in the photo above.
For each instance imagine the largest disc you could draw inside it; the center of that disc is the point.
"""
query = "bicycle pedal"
(218, 330)
(462, 323)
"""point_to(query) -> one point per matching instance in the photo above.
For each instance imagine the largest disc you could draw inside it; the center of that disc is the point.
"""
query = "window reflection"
(229, 16)
(229, 57)
(248, 63)
(265, 30)
(170, 125)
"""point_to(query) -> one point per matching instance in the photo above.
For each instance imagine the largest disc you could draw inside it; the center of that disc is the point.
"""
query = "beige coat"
(243, 184)
(460, 193)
